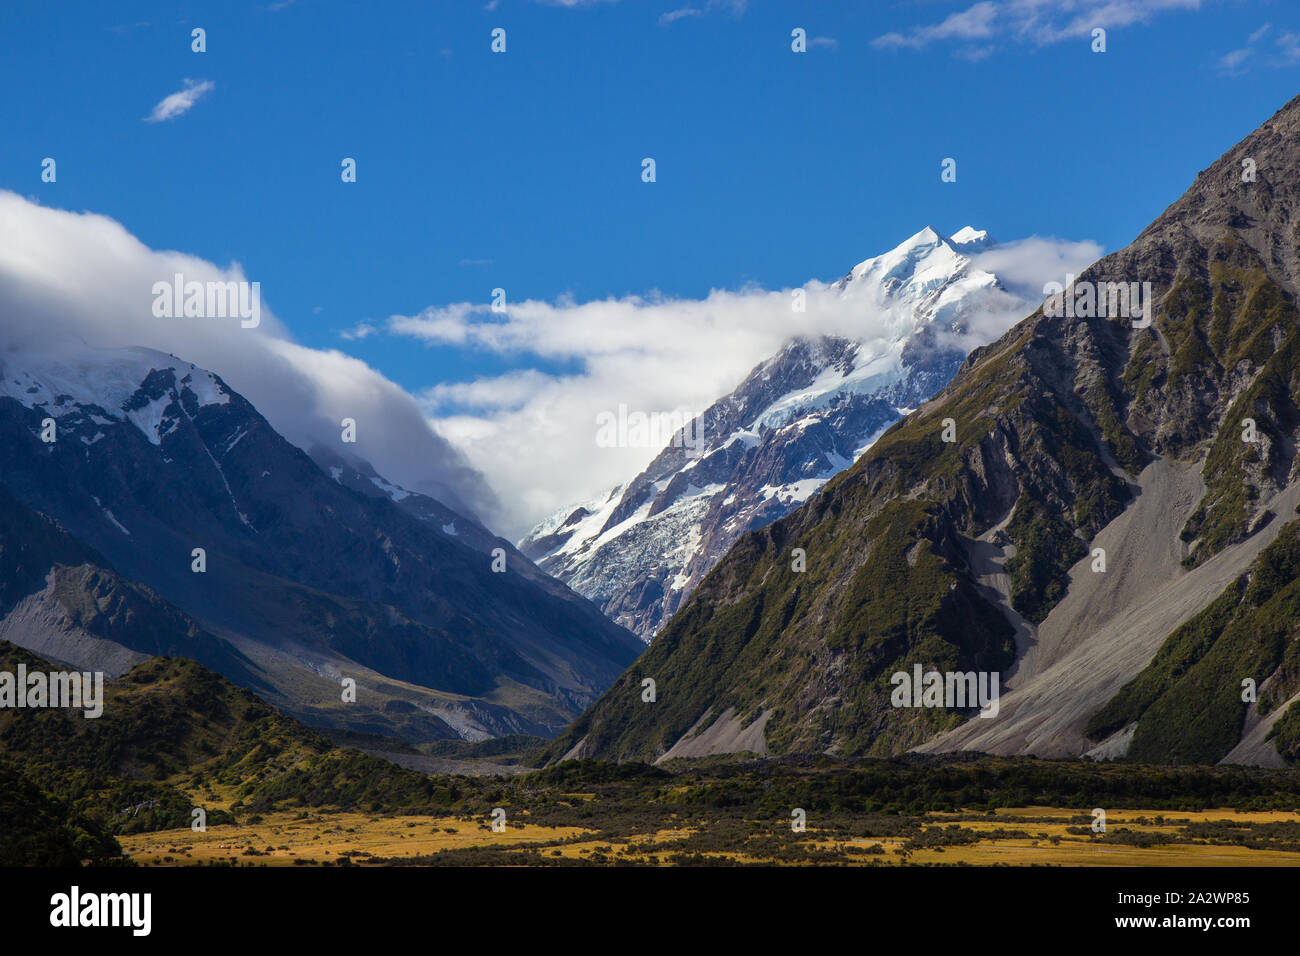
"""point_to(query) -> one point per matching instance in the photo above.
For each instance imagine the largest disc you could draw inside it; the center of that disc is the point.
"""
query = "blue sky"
(522, 170)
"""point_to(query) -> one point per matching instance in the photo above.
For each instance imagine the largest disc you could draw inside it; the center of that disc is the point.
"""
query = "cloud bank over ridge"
(83, 276)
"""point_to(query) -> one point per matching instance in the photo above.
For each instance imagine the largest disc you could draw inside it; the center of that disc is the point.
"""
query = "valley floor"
(1029, 836)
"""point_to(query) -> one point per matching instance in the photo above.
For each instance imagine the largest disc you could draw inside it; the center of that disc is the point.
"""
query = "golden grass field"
(317, 837)
(282, 838)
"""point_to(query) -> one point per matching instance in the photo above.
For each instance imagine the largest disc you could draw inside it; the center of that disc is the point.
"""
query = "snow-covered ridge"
(797, 420)
(80, 378)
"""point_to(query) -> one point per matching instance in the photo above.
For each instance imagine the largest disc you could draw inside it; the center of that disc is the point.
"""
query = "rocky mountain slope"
(58, 598)
(301, 581)
(1165, 440)
(797, 420)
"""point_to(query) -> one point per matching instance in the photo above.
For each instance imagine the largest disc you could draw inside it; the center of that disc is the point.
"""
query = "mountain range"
(1096, 512)
(1099, 509)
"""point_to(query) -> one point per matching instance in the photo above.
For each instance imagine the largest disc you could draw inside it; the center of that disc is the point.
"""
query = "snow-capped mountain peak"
(798, 419)
(923, 278)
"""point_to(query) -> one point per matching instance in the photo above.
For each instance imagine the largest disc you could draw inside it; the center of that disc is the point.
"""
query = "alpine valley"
(982, 552)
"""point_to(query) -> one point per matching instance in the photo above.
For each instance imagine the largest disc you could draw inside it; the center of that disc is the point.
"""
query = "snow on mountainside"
(299, 569)
(79, 378)
(797, 420)
(80, 384)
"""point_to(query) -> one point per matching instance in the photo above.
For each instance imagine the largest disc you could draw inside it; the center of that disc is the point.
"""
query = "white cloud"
(673, 15)
(123, 29)
(533, 432)
(67, 275)
(1026, 264)
(1289, 43)
(1229, 62)
(1234, 62)
(976, 53)
(361, 330)
(735, 7)
(975, 23)
(1036, 22)
(180, 102)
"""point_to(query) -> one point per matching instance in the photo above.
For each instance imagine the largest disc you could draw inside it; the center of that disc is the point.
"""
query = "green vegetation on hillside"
(39, 830)
(748, 654)
(174, 736)
(1241, 322)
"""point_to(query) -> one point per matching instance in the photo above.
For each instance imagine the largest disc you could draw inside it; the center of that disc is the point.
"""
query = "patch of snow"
(750, 439)
(391, 490)
(800, 490)
(109, 515)
(871, 440)
(149, 418)
(233, 442)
